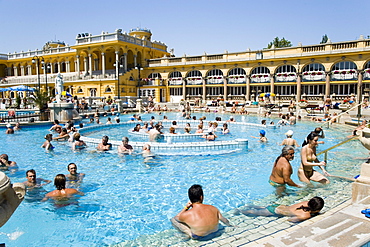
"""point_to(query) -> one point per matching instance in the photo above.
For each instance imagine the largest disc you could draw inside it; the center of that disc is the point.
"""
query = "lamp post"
(138, 67)
(37, 59)
(46, 67)
(120, 65)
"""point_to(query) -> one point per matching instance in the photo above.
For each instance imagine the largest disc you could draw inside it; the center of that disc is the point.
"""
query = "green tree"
(279, 43)
(324, 39)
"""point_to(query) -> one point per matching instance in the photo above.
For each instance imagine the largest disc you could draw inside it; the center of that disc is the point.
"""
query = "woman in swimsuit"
(306, 173)
(297, 212)
(78, 144)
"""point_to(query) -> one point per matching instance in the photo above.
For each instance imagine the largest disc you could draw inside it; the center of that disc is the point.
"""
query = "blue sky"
(190, 27)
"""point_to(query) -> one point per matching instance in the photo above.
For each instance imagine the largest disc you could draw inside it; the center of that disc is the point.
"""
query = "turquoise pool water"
(126, 199)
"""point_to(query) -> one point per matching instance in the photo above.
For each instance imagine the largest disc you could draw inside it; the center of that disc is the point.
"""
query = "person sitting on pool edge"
(61, 192)
(196, 219)
(104, 145)
(297, 212)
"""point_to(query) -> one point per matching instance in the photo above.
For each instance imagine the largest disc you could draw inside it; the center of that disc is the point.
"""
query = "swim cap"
(132, 118)
(117, 114)
(262, 132)
(8, 125)
(289, 133)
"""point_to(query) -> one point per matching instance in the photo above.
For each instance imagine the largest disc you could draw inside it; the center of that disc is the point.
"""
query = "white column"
(86, 66)
(58, 67)
(125, 61)
(327, 85)
(103, 64)
(248, 87)
(51, 68)
(117, 57)
(90, 65)
(22, 70)
(78, 65)
(9, 71)
(15, 71)
(68, 66)
(29, 70)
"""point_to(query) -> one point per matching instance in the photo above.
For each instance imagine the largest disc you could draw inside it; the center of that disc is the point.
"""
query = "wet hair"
(56, 121)
(31, 171)
(76, 136)
(105, 138)
(60, 181)
(225, 125)
(64, 130)
(317, 130)
(109, 119)
(4, 156)
(81, 125)
(195, 193)
(309, 138)
(70, 165)
(263, 122)
(315, 204)
(284, 152)
(174, 123)
(125, 139)
(49, 136)
(172, 130)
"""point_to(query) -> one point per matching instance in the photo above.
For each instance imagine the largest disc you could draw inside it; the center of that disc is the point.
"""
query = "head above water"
(60, 181)
(195, 193)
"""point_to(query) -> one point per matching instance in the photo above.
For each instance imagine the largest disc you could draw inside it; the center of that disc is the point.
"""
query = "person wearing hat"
(289, 141)
(262, 136)
(9, 129)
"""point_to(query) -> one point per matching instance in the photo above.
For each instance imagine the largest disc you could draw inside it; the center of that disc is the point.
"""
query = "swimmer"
(55, 126)
(17, 126)
(282, 170)
(196, 219)
(154, 133)
(210, 136)
(297, 212)
(33, 181)
(289, 141)
(125, 147)
(225, 129)
(78, 144)
(172, 131)
(306, 173)
(109, 121)
(61, 193)
(5, 163)
(9, 129)
(47, 144)
(200, 129)
(262, 137)
(63, 136)
(73, 174)
(104, 145)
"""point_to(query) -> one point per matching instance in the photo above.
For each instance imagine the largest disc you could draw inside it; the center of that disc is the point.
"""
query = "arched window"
(194, 77)
(286, 73)
(93, 92)
(367, 70)
(108, 89)
(215, 76)
(79, 90)
(155, 76)
(55, 68)
(313, 72)
(260, 74)
(345, 70)
(175, 78)
(63, 67)
(236, 76)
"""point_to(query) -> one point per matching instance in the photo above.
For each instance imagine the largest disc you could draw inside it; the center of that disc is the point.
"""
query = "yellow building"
(89, 69)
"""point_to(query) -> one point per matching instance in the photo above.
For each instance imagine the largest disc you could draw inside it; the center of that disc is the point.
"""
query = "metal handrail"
(337, 145)
(330, 121)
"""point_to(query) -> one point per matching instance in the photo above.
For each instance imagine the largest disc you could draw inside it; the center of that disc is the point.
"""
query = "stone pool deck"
(343, 225)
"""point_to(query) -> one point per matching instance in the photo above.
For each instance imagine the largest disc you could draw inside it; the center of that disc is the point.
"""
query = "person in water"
(289, 141)
(104, 145)
(61, 193)
(47, 144)
(125, 147)
(297, 212)
(73, 174)
(33, 181)
(78, 143)
(306, 173)
(197, 219)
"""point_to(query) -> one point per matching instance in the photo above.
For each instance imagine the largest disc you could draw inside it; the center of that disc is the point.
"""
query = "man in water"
(33, 181)
(73, 175)
(282, 170)
(197, 219)
(61, 193)
(104, 145)
(5, 163)
(125, 147)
